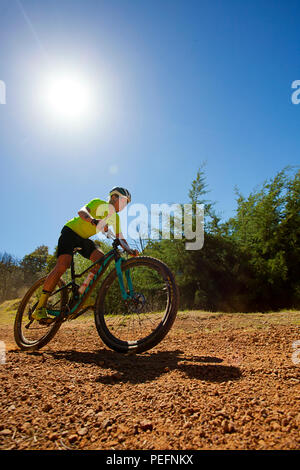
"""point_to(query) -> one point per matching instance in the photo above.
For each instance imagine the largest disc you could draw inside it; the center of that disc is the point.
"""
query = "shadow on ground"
(148, 366)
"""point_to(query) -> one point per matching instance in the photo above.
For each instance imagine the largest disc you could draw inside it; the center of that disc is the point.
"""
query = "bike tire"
(142, 345)
(21, 341)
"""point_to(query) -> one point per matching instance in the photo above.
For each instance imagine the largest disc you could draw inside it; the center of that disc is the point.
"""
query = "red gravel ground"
(217, 381)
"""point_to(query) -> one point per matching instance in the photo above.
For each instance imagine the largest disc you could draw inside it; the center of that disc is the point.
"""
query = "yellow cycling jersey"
(99, 210)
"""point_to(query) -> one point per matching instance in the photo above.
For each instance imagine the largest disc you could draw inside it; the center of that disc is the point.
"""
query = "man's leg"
(95, 256)
(62, 264)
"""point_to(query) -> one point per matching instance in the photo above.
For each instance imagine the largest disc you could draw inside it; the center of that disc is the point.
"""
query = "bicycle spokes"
(30, 332)
(136, 302)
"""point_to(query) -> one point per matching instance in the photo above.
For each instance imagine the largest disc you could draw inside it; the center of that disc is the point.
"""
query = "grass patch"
(8, 310)
(217, 321)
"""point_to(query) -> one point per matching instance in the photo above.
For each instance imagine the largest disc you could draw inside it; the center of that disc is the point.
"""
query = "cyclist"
(94, 216)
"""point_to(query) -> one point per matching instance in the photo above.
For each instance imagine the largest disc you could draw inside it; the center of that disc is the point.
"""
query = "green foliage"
(34, 265)
(267, 230)
(196, 196)
(11, 277)
(252, 261)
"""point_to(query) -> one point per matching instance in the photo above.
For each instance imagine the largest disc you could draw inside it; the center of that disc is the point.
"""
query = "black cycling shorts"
(69, 240)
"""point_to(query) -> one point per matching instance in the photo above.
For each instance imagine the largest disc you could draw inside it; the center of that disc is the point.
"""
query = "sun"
(67, 97)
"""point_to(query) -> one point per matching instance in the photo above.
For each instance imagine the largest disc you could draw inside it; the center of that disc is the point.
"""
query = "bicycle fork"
(125, 294)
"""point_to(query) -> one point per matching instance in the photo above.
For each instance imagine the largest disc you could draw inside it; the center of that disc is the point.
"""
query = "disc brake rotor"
(135, 304)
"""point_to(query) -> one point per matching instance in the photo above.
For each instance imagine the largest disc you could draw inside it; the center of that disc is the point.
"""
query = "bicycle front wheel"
(29, 334)
(139, 323)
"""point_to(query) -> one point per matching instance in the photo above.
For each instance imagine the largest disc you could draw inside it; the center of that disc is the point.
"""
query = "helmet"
(121, 192)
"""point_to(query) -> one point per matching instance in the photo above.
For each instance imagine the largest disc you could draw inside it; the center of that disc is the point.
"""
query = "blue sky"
(175, 83)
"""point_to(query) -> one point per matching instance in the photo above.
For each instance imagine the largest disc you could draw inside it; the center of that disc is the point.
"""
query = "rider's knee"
(62, 266)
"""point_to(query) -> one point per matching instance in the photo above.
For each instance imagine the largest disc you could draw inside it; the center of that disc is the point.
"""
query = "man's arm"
(125, 245)
(84, 214)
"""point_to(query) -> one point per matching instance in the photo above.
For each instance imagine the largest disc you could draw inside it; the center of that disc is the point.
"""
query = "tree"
(197, 193)
(11, 276)
(34, 265)
(267, 230)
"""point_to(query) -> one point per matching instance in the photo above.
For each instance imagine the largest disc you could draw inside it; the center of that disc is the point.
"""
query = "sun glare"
(67, 98)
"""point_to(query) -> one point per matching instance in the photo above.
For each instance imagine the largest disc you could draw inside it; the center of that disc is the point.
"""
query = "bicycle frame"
(104, 263)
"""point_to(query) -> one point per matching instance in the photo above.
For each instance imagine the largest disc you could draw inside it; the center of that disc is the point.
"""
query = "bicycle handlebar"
(109, 234)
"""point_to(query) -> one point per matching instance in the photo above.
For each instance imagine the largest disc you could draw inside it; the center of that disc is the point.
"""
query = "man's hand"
(125, 245)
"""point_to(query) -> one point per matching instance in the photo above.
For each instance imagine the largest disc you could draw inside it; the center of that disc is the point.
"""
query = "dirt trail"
(216, 382)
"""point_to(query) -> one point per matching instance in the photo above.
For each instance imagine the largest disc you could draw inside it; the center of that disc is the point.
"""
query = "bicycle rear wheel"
(29, 334)
(137, 325)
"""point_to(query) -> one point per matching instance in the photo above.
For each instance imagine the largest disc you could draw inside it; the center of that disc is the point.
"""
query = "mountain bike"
(135, 306)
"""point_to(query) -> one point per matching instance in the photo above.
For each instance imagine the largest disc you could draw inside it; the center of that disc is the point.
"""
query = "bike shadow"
(148, 366)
